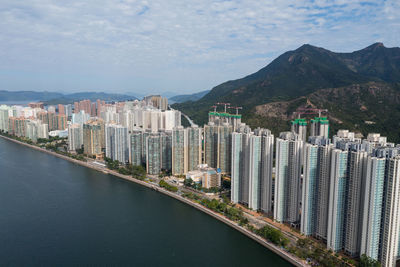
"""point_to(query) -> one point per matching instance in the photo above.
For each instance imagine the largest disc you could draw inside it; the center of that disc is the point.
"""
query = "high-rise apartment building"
(136, 158)
(220, 118)
(68, 110)
(266, 181)
(178, 151)
(93, 137)
(373, 207)
(193, 148)
(374, 140)
(391, 214)
(354, 189)
(166, 150)
(43, 130)
(51, 109)
(337, 200)
(80, 118)
(315, 189)
(237, 172)
(61, 109)
(4, 115)
(16, 126)
(32, 128)
(287, 179)
(251, 169)
(343, 135)
(299, 127)
(186, 149)
(145, 134)
(255, 172)
(153, 154)
(75, 137)
(224, 148)
(211, 145)
(116, 137)
(157, 101)
(320, 127)
(61, 122)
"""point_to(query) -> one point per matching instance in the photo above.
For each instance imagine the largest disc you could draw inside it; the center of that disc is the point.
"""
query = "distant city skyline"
(173, 46)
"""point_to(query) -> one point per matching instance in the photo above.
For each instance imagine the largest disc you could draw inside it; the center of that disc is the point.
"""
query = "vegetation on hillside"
(311, 71)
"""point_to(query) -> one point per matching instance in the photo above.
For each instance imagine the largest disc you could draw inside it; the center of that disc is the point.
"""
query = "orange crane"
(307, 111)
(237, 109)
(225, 104)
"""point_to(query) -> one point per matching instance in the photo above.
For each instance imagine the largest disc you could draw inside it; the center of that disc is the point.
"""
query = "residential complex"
(343, 191)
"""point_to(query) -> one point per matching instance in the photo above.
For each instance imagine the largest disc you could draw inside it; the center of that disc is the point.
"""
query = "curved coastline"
(282, 253)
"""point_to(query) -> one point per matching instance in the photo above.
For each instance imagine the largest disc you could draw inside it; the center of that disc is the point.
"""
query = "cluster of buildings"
(147, 133)
(350, 195)
(121, 128)
(32, 122)
(344, 190)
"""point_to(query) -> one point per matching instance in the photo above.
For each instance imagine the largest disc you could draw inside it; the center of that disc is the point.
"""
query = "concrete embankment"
(282, 253)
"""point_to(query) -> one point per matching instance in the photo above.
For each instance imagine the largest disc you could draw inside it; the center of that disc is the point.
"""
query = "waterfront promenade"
(290, 258)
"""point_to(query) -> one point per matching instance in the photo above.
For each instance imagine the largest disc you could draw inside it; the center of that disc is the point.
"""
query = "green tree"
(366, 261)
(138, 172)
(226, 184)
(188, 182)
(112, 164)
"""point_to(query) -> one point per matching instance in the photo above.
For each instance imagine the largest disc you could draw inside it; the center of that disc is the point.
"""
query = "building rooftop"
(223, 114)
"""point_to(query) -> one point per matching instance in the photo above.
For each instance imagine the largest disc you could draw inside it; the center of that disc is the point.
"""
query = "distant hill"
(189, 97)
(59, 98)
(300, 73)
(93, 96)
(27, 95)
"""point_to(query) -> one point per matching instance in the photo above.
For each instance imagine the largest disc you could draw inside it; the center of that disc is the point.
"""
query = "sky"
(160, 46)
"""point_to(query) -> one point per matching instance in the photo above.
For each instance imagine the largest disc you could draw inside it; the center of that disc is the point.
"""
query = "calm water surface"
(53, 212)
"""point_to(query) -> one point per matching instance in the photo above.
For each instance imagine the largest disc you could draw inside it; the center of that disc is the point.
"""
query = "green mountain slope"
(363, 108)
(189, 97)
(299, 73)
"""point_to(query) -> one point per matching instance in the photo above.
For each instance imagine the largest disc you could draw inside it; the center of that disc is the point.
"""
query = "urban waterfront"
(57, 213)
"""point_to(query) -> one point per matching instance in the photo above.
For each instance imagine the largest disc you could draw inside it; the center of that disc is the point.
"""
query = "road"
(186, 117)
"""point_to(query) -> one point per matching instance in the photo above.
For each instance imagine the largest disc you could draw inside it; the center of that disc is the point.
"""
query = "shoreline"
(275, 249)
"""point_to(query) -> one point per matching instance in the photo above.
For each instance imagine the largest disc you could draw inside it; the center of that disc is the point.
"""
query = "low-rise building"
(207, 176)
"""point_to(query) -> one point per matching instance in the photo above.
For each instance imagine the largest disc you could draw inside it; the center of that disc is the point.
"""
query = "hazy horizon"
(176, 47)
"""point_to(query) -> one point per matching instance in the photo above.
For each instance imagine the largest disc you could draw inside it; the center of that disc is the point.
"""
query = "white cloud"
(174, 45)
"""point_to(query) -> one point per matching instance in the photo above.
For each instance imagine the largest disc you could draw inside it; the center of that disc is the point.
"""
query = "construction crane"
(307, 111)
(237, 109)
(225, 104)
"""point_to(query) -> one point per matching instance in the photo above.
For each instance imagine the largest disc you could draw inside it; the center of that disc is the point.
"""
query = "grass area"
(167, 186)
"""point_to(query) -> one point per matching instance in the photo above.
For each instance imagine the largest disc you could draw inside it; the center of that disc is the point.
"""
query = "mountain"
(190, 97)
(93, 96)
(59, 98)
(27, 95)
(299, 73)
(363, 108)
